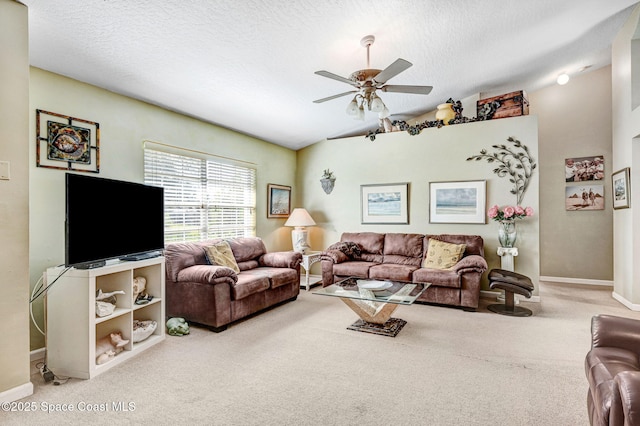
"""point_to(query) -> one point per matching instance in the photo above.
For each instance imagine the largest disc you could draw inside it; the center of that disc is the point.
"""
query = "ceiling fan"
(367, 81)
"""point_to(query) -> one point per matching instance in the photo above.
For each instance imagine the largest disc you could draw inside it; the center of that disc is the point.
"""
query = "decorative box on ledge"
(512, 104)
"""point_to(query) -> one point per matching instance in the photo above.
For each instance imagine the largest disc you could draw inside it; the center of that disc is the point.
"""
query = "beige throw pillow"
(220, 254)
(443, 255)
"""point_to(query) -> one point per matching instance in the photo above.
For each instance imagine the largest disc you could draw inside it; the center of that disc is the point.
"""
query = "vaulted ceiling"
(249, 65)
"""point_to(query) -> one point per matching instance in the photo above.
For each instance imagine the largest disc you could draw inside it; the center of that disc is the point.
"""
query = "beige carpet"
(299, 365)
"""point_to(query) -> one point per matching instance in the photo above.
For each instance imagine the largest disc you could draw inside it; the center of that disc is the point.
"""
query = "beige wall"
(574, 121)
(124, 125)
(433, 155)
(626, 153)
(14, 202)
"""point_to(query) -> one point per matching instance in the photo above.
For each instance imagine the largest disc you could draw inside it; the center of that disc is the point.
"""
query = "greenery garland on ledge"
(486, 113)
(516, 162)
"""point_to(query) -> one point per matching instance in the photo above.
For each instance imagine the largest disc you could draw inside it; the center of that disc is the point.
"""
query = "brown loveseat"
(399, 257)
(612, 367)
(215, 295)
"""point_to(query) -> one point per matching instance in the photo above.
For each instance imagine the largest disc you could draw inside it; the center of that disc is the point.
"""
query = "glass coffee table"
(374, 301)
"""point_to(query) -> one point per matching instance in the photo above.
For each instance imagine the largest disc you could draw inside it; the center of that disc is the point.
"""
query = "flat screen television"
(111, 219)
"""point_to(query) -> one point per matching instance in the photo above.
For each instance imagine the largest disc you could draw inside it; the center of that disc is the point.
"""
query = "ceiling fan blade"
(333, 97)
(335, 77)
(419, 90)
(391, 71)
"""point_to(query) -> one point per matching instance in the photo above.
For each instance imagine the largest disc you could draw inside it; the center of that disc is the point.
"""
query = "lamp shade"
(300, 217)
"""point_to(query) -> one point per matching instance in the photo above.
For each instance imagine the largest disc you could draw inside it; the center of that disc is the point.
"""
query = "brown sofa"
(612, 367)
(398, 257)
(215, 296)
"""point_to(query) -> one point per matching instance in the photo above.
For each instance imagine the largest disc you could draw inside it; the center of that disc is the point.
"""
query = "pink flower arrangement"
(509, 212)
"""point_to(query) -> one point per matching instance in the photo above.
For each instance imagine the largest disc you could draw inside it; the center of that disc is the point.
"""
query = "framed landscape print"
(458, 202)
(382, 204)
(584, 197)
(621, 194)
(278, 200)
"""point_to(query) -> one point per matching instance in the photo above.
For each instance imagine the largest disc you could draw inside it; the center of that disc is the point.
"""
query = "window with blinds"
(203, 199)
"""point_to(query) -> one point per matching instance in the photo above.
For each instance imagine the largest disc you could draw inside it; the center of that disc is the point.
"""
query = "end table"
(308, 259)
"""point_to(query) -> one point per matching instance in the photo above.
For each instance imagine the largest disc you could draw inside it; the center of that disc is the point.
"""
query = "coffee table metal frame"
(375, 307)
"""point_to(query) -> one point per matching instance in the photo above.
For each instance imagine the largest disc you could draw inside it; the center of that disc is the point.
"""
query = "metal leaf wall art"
(514, 161)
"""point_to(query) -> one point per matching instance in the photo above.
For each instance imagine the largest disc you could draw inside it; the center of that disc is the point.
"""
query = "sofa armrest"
(281, 259)
(628, 386)
(210, 274)
(614, 331)
(471, 263)
(334, 256)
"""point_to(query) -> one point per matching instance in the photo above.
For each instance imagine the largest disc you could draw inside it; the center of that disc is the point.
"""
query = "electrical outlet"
(47, 375)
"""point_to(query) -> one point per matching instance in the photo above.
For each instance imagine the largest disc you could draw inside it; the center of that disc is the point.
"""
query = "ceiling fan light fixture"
(360, 114)
(352, 108)
(384, 113)
(376, 104)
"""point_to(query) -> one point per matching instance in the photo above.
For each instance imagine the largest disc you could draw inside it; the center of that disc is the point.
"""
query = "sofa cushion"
(392, 271)
(249, 284)
(356, 268)
(182, 255)
(443, 255)
(371, 244)
(277, 276)
(403, 249)
(220, 254)
(474, 243)
(248, 264)
(441, 277)
(247, 248)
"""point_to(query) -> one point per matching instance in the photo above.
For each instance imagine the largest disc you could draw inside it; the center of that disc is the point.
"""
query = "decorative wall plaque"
(64, 139)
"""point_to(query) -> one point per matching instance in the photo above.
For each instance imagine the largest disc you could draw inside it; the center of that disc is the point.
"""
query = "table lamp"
(300, 219)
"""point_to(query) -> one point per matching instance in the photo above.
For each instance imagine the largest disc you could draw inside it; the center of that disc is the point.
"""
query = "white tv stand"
(72, 325)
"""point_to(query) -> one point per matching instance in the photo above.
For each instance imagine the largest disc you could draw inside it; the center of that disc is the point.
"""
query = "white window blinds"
(203, 199)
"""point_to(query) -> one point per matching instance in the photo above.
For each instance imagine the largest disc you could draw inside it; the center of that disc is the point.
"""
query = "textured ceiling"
(249, 65)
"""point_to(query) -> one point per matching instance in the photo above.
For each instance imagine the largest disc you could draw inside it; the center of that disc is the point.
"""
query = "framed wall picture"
(278, 200)
(580, 169)
(584, 197)
(621, 190)
(67, 143)
(384, 203)
(458, 202)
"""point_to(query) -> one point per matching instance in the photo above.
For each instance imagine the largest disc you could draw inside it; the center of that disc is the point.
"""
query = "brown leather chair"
(612, 367)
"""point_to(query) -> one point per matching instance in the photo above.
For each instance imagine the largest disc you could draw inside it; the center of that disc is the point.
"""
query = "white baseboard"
(36, 354)
(487, 294)
(17, 393)
(625, 302)
(586, 281)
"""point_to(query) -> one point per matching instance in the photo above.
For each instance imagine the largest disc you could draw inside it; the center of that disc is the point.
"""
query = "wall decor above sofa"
(515, 161)
(458, 202)
(384, 203)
